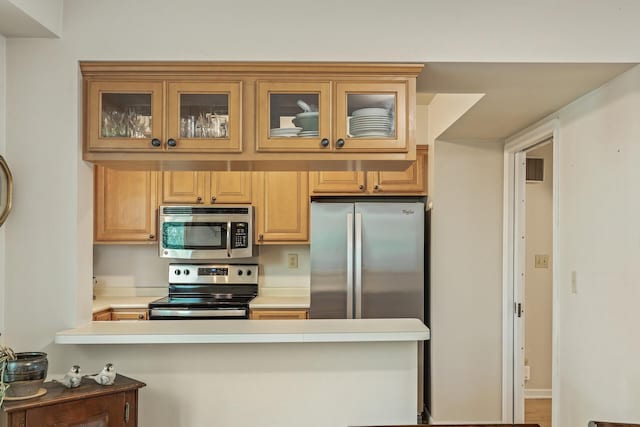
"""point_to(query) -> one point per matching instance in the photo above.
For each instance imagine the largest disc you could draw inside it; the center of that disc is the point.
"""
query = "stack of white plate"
(368, 122)
(308, 133)
(285, 132)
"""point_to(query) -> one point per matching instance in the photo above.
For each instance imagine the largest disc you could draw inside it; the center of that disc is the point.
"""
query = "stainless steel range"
(207, 291)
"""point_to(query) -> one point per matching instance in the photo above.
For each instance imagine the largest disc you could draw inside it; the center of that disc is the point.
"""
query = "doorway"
(538, 281)
(526, 302)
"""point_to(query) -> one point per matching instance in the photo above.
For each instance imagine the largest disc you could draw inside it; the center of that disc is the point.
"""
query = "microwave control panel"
(240, 235)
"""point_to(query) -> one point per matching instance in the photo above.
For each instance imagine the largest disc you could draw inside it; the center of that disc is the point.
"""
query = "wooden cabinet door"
(372, 116)
(334, 182)
(125, 208)
(229, 187)
(282, 207)
(282, 314)
(101, 316)
(411, 181)
(124, 116)
(184, 187)
(129, 314)
(278, 108)
(204, 116)
(107, 411)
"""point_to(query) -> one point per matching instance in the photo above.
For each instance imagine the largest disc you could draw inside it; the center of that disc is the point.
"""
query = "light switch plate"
(292, 261)
(542, 261)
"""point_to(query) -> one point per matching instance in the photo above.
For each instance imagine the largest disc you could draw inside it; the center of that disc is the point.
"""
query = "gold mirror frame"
(6, 181)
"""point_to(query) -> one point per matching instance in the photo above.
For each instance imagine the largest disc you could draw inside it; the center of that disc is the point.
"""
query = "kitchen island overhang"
(245, 331)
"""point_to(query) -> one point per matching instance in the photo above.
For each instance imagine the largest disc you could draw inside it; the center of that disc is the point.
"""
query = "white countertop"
(245, 331)
(275, 301)
(120, 302)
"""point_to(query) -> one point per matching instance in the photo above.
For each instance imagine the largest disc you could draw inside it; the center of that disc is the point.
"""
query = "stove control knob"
(248, 272)
(239, 272)
(176, 272)
(186, 272)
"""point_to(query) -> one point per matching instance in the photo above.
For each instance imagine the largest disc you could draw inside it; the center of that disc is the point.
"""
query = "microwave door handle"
(229, 239)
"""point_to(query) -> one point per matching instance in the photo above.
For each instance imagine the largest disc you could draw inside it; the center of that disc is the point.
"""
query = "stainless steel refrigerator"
(368, 261)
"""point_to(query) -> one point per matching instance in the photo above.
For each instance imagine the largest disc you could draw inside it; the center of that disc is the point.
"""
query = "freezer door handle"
(358, 266)
(349, 266)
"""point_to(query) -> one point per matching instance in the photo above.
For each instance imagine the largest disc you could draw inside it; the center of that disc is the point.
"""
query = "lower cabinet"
(121, 314)
(89, 405)
(279, 314)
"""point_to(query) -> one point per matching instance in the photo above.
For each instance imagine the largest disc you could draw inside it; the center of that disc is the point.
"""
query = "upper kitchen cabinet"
(249, 116)
(206, 187)
(125, 206)
(345, 116)
(411, 181)
(125, 116)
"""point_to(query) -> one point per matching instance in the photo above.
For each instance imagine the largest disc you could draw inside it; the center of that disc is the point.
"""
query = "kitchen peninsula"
(278, 372)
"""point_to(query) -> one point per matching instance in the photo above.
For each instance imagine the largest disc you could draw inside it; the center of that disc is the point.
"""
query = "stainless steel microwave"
(206, 232)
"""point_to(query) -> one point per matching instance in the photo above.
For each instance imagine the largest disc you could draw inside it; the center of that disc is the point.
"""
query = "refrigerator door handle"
(349, 266)
(358, 266)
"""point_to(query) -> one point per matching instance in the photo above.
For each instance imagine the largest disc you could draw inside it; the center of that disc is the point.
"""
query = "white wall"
(466, 282)
(538, 281)
(47, 13)
(43, 144)
(599, 239)
(140, 266)
(3, 144)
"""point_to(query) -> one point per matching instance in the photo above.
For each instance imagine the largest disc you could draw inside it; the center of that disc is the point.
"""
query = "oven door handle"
(176, 312)
(229, 239)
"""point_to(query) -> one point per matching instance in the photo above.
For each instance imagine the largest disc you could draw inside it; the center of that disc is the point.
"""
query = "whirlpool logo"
(408, 211)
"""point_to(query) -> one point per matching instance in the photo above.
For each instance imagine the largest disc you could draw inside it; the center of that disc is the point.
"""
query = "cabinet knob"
(361, 187)
(198, 199)
(152, 236)
(340, 143)
(156, 142)
(324, 142)
(140, 316)
(376, 187)
(171, 142)
(260, 237)
(213, 199)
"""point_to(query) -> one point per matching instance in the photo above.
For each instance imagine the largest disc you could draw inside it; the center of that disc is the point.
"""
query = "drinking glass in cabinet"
(204, 115)
(371, 115)
(293, 115)
(126, 115)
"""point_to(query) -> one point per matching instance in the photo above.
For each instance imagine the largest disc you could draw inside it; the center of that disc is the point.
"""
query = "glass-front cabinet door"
(293, 116)
(371, 116)
(204, 117)
(124, 115)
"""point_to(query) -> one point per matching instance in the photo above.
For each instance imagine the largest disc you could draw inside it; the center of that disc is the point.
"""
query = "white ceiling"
(517, 94)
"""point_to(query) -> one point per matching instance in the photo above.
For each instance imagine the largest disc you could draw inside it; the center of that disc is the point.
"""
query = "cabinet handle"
(361, 187)
(152, 236)
(376, 187)
(324, 142)
(171, 142)
(126, 412)
(340, 143)
(156, 142)
(198, 199)
(213, 199)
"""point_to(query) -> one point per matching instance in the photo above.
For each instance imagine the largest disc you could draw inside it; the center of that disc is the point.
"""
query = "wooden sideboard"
(90, 404)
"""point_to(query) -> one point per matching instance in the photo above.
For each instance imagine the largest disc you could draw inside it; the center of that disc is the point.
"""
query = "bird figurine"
(106, 377)
(72, 378)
